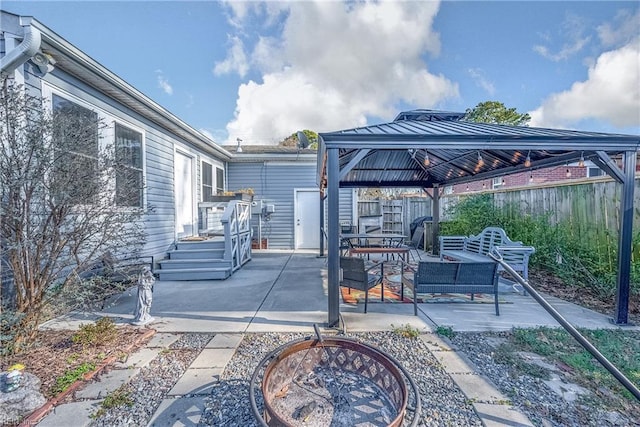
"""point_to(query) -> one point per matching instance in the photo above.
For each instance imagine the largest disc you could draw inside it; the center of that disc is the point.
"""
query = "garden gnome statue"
(145, 296)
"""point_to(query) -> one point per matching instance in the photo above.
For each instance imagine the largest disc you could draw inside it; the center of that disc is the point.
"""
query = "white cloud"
(163, 83)
(611, 93)
(331, 65)
(572, 31)
(236, 60)
(477, 74)
(622, 30)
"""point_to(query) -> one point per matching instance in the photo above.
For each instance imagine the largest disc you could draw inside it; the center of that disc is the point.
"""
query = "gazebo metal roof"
(397, 150)
(432, 149)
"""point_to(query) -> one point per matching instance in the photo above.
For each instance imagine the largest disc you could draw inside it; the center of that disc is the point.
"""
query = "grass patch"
(406, 331)
(70, 376)
(115, 399)
(622, 348)
(445, 331)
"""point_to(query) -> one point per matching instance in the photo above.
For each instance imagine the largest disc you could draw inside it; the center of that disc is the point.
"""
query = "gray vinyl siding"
(158, 154)
(274, 183)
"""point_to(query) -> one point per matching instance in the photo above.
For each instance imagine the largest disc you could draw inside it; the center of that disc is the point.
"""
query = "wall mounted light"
(568, 171)
(527, 161)
(531, 177)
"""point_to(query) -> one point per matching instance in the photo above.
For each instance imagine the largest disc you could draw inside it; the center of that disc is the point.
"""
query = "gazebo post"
(333, 246)
(435, 212)
(625, 240)
(322, 234)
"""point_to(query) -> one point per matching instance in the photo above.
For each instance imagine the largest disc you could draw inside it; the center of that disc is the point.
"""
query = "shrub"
(591, 253)
(99, 333)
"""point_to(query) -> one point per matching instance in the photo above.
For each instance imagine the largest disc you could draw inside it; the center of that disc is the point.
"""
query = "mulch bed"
(53, 353)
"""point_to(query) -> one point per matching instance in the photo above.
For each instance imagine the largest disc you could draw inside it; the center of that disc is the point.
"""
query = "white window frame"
(106, 136)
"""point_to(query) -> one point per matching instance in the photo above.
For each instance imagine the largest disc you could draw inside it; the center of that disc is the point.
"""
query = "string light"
(480, 160)
(527, 161)
(427, 160)
(581, 161)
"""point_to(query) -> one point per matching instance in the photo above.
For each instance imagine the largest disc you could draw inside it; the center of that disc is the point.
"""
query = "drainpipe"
(20, 54)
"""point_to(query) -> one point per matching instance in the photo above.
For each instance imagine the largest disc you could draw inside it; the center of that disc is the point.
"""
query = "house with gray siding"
(175, 161)
(180, 167)
(286, 203)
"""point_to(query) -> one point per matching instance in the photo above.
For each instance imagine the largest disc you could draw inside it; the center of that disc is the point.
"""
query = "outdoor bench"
(452, 277)
(477, 249)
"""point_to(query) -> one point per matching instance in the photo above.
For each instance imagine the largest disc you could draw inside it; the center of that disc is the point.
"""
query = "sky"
(260, 71)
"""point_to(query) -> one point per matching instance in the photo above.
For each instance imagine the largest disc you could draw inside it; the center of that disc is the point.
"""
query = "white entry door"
(307, 219)
(185, 218)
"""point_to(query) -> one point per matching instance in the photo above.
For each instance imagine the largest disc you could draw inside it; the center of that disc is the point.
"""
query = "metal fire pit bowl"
(350, 383)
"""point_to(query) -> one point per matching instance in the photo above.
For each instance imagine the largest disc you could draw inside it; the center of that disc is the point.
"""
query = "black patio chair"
(356, 276)
(416, 241)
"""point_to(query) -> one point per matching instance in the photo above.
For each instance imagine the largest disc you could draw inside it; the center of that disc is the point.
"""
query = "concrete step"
(205, 244)
(197, 254)
(194, 274)
(188, 264)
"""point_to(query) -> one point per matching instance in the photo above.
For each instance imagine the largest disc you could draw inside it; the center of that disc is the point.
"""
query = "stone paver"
(139, 359)
(225, 341)
(179, 412)
(75, 414)
(453, 362)
(162, 340)
(435, 343)
(106, 383)
(196, 381)
(476, 387)
(213, 358)
(501, 415)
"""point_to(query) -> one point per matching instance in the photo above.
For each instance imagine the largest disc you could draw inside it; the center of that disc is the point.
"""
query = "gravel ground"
(533, 397)
(443, 404)
(147, 389)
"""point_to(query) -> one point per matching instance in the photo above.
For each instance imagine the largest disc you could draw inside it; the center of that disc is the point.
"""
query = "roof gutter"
(22, 53)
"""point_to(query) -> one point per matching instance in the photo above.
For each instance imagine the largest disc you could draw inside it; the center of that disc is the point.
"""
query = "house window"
(129, 177)
(75, 140)
(207, 182)
(219, 180)
(448, 189)
(498, 182)
(594, 171)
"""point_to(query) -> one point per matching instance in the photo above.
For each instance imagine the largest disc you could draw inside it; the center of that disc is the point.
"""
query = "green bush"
(102, 332)
(578, 253)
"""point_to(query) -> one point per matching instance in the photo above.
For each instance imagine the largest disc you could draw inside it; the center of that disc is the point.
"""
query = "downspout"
(22, 53)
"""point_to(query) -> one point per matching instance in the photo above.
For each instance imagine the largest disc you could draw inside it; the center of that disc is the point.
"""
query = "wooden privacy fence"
(590, 209)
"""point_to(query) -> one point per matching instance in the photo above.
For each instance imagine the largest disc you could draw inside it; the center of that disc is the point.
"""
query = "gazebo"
(432, 149)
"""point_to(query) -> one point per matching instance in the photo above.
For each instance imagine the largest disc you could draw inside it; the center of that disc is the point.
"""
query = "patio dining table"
(385, 244)
(355, 240)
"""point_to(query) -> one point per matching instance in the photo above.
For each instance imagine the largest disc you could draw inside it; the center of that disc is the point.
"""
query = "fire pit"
(331, 381)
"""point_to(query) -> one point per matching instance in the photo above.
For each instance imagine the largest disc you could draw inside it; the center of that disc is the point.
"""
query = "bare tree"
(69, 197)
